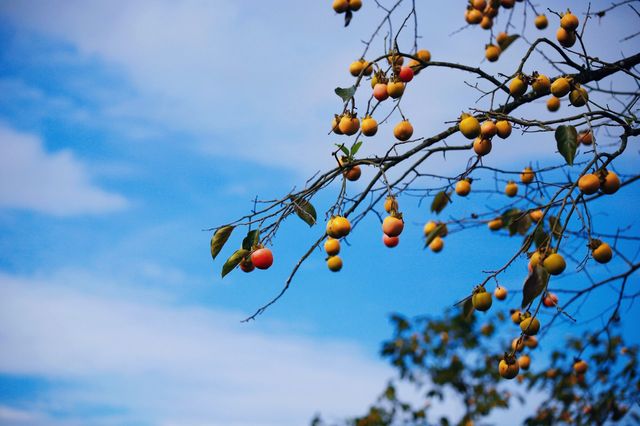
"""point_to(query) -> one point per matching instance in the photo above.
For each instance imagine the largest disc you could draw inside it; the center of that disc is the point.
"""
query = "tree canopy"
(563, 90)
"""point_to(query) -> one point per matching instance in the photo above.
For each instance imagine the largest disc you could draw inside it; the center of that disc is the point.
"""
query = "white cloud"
(54, 183)
(229, 76)
(215, 71)
(226, 75)
(11, 415)
(165, 364)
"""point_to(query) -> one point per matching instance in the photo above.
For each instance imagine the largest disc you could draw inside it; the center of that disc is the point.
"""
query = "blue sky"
(127, 128)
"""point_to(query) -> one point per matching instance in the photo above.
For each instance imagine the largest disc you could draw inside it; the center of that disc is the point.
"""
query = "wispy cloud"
(165, 364)
(221, 77)
(53, 183)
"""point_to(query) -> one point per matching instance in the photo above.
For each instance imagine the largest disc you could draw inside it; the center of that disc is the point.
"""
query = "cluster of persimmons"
(482, 133)
(391, 82)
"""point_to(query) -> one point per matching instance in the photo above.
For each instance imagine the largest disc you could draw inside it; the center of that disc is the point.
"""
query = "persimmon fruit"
(495, 224)
(262, 258)
(463, 188)
(395, 89)
(553, 104)
(470, 127)
(391, 204)
(569, 21)
(406, 74)
(332, 246)
(481, 300)
(566, 38)
(492, 52)
(482, 146)
(560, 87)
(334, 263)
(511, 189)
(338, 227)
(611, 183)
(488, 129)
(517, 87)
(527, 176)
(589, 184)
(508, 369)
(550, 300)
(390, 241)
(246, 265)
(340, 6)
(504, 129)
(541, 84)
(530, 326)
(580, 366)
(380, 91)
(602, 253)
(524, 361)
(403, 130)
(369, 126)
(349, 124)
(554, 264)
(541, 22)
(392, 226)
(437, 244)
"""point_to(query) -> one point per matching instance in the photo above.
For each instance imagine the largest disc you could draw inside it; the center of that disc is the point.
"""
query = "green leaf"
(439, 230)
(567, 141)
(354, 148)
(390, 393)
(467, 308)
(234, 260)
(305, 211)
(535, 284)
(523, 223)
(440, 201)
(400, 321)
(347, 17)
(251, 239)
(509, 215)
(346, 93)
(539, 236)
(555, 226)
(219, 239)
(513, 227)
(511, 219)
(528, 241)
(507, 41)
(344, 149)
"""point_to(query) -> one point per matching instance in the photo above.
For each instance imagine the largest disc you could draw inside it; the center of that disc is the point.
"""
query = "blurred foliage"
(455, 359)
